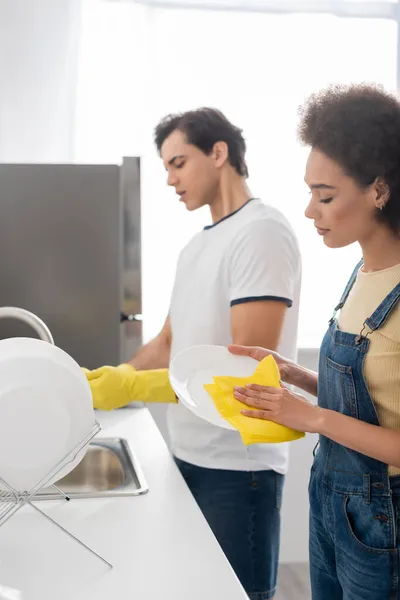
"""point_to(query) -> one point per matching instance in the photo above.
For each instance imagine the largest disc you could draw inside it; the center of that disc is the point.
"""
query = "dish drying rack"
(12, 500)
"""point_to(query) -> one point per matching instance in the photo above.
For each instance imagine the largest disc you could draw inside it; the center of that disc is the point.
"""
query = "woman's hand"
(259, 354)
(290, 372)
(282, 406)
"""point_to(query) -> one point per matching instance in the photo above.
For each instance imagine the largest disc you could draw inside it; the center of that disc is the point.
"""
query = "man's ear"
(220, 153)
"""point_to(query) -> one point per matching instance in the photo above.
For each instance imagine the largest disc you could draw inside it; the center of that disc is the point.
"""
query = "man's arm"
(264, 277)
(258, 323)
(155, 354)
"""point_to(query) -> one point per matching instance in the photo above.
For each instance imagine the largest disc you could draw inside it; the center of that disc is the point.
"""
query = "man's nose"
(172, 179)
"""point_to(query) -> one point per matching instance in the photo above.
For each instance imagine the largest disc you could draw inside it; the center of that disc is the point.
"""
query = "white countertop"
(159, 544)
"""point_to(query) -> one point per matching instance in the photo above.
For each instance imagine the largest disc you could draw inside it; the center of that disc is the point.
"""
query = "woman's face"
(342, 211)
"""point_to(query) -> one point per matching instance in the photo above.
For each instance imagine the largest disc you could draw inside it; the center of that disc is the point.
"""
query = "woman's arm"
(283, 406)
(302, 378)
(377, 442)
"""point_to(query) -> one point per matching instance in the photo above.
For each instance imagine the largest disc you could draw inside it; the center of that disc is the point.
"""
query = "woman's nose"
(310, 210)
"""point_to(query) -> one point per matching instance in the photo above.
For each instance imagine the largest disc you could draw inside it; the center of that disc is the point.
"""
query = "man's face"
(192, 173)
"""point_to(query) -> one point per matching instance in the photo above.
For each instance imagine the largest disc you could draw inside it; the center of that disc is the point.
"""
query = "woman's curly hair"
(358, 126)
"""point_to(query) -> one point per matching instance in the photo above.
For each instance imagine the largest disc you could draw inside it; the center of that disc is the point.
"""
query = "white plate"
(45, 411)
(193, 367)
(18, 347)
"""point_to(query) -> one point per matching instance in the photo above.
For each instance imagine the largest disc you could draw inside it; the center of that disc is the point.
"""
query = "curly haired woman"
(353, 172)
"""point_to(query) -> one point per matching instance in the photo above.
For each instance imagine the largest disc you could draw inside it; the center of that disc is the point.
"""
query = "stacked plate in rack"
(45, 411)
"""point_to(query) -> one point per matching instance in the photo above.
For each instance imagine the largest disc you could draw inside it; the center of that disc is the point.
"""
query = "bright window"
(138, 64)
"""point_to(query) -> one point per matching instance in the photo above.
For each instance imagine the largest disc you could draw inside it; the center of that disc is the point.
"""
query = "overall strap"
(347, 289)
(381, 314)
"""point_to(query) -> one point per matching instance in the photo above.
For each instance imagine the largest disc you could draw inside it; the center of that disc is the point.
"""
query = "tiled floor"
(293, 582)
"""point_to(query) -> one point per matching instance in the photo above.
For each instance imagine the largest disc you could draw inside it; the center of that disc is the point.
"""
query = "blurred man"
(237, 281)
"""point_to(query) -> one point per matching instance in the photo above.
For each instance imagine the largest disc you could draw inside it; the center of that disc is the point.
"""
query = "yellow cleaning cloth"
(252, 431)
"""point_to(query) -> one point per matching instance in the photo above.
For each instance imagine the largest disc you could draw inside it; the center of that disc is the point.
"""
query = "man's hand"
(113, 387)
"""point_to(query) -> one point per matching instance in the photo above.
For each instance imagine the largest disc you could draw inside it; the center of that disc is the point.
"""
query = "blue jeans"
(354, 543)
(243, 510)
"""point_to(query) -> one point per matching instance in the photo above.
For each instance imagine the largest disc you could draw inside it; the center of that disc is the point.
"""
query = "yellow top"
(382, 362)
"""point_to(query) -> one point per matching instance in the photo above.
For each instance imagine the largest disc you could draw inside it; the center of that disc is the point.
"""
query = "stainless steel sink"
(108, 469)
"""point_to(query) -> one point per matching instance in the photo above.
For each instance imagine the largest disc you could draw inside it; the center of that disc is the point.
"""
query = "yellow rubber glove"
(113, 387)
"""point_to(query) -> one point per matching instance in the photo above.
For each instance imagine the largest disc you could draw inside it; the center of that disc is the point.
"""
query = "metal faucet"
(13, 312)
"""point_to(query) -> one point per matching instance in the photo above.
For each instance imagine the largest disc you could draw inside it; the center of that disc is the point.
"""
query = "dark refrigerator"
(70, 253)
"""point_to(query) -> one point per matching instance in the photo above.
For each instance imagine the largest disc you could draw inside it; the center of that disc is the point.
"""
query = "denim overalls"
(354, 505)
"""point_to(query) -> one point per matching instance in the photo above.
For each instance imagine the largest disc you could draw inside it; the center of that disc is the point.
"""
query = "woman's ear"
(382, 193)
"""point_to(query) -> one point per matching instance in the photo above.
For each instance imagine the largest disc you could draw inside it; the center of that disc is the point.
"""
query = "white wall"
(38, 63)
(294, 538)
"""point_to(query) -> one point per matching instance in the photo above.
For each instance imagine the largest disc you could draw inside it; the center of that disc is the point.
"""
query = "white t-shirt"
(250, 255)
